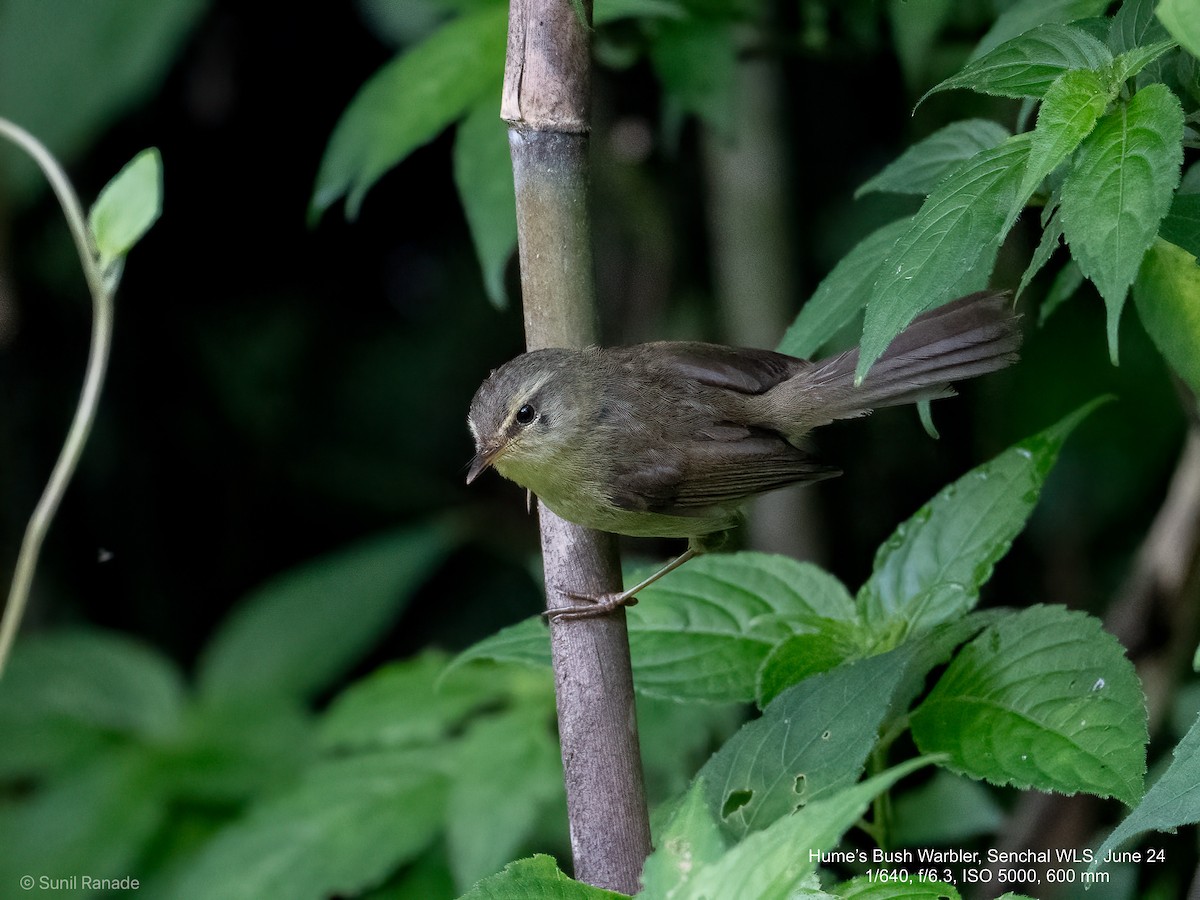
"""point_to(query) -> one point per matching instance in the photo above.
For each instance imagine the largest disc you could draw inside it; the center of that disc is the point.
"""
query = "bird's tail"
(970, 336)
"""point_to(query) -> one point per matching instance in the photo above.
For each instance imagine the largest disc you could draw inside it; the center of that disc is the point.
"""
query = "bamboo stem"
(545, 102)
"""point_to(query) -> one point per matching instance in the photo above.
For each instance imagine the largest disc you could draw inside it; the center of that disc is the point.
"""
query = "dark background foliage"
(275, 390)
(279, 389)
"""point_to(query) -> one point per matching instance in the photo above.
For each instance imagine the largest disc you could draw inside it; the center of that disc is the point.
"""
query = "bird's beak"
(483, 460)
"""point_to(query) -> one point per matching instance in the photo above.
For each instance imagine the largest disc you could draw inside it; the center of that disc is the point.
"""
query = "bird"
(670, 438)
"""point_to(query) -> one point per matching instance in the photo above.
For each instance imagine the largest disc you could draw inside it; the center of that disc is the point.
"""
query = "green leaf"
(696, 60)
(1182, 225)
(1132, 62)
(931, 649)
(484, 177)
(1167, 296)
(1045, 699)
(1134, 25)
(427, 876)
(300, 631)
(536, 877)
(508, 773)
(842, 293)
(1187, 72)
(97, 820)
(46, 748)
(1028, 64)
(228, 751)
(866, 887)
(409, 102)
(127, 207)
(1183, 22)
(395, 706)
(703, 632)
(526, 643)
(690, 841)
(1063, 288)
(345, 827)
(1119, 191)
(606, 11)
(91, 680)
(950, 246)
(919, 168)
(1024, 15)
(811, 741)
(1171, 802)
(676, 739)
(931, 568)
(775, 861)
(1050, 241)
(417, 701)
(802, 655)
(1069, 112)
(1053, 202)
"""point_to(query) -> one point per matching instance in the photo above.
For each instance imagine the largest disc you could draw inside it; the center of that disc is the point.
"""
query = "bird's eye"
(526, 414)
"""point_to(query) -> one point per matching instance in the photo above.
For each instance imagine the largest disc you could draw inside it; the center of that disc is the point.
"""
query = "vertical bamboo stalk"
(546, 103)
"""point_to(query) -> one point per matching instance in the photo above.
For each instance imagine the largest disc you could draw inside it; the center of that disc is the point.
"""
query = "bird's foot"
(589, 606)
(603, 604)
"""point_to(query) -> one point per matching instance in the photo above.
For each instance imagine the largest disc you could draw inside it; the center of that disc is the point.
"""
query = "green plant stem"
(102, 291)
(894, 729)
(881, 820)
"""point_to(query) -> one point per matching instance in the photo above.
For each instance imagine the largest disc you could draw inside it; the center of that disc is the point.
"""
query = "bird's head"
(524, 416)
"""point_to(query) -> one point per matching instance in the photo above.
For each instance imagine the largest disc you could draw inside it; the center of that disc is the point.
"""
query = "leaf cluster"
(229, 786)
(1116, 102)
(1037, 698)
(431, 773)
(452, 76)
(1114, 97)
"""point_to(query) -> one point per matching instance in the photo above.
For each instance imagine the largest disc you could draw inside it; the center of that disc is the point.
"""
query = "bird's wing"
(746, 371)
(691, 477)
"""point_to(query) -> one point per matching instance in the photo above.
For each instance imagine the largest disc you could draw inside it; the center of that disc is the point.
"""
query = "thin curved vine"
(102, 284)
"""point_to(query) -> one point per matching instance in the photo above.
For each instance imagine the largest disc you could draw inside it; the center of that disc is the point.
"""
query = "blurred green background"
(280, 391)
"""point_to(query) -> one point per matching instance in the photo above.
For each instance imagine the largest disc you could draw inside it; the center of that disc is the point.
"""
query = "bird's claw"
(590, 606)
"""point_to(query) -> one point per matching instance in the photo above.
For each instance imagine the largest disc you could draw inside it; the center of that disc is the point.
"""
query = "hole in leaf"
(825, 735)
(801, 784)
(734, 801)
